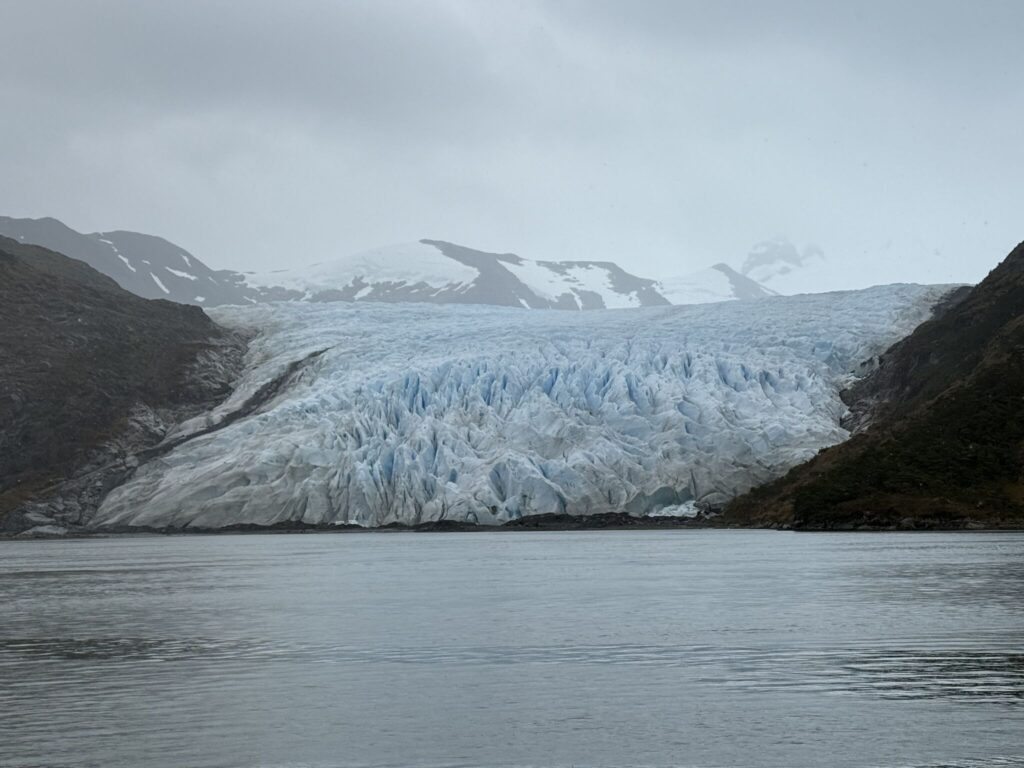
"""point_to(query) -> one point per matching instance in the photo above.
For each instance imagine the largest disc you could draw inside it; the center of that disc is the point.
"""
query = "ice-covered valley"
(377, 413)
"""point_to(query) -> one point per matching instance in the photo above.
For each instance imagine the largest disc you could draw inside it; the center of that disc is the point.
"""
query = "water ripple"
(905, 671)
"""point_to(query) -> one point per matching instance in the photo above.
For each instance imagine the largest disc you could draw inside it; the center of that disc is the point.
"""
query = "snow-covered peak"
(439, 272)
(591, 284)
(409, 264)
(430, 271)
(718, 283)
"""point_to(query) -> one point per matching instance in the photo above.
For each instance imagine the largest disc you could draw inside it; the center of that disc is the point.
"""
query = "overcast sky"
(665, 136)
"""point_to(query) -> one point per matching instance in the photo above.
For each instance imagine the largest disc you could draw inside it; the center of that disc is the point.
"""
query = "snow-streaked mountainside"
(431, 271)
(439, 272)
(379, 413)
(145, 265)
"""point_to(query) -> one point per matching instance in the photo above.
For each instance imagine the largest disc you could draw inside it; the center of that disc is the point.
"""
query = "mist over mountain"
(783, 268)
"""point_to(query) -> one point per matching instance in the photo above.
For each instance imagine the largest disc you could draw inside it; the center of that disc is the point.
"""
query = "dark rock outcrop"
(91, 375)
(610, 520)
(941, 440)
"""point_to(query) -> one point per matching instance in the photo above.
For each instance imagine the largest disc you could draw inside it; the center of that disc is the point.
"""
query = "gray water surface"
(609, 648)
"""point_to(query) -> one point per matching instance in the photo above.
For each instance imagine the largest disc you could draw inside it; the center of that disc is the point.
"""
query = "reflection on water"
(602, 648)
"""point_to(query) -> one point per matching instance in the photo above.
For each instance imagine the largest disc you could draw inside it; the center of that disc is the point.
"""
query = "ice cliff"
(376, 413)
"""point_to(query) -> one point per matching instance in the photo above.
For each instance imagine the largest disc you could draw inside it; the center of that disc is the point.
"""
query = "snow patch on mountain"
(409, 413)
(553, 280)
(159, 283)
(147, 266)
(599, 280)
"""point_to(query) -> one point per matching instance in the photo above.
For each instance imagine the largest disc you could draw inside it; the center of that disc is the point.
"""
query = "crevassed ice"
(420, 412)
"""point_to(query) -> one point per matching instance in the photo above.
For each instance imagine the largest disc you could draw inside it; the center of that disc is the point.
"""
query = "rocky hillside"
(145, 265)
(941, 438)
(89, 375)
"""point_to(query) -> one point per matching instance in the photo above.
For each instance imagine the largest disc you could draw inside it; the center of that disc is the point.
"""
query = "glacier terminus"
(381, 413)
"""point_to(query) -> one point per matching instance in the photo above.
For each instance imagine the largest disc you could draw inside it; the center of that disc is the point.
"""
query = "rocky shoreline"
(610, 521)
(615, 521)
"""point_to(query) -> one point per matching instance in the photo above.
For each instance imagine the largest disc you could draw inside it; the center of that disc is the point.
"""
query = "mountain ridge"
(145, 265)
(430, 271)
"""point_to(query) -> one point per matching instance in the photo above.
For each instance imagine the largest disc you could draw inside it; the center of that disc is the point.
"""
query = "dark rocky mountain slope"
(89, 375)
(941, 429)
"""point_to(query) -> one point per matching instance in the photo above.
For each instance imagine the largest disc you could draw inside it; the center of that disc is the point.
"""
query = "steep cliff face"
(90, 373)
(942, 443)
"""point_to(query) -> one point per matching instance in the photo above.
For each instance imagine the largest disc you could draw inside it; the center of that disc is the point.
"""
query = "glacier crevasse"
(484, 414)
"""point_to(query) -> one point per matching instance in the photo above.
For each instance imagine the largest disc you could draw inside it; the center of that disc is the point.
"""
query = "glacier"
(404, 413)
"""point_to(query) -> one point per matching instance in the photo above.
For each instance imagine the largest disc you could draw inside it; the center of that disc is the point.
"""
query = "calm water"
(691, 648)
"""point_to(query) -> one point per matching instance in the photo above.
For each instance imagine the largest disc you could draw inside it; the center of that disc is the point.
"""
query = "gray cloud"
(662, 135)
